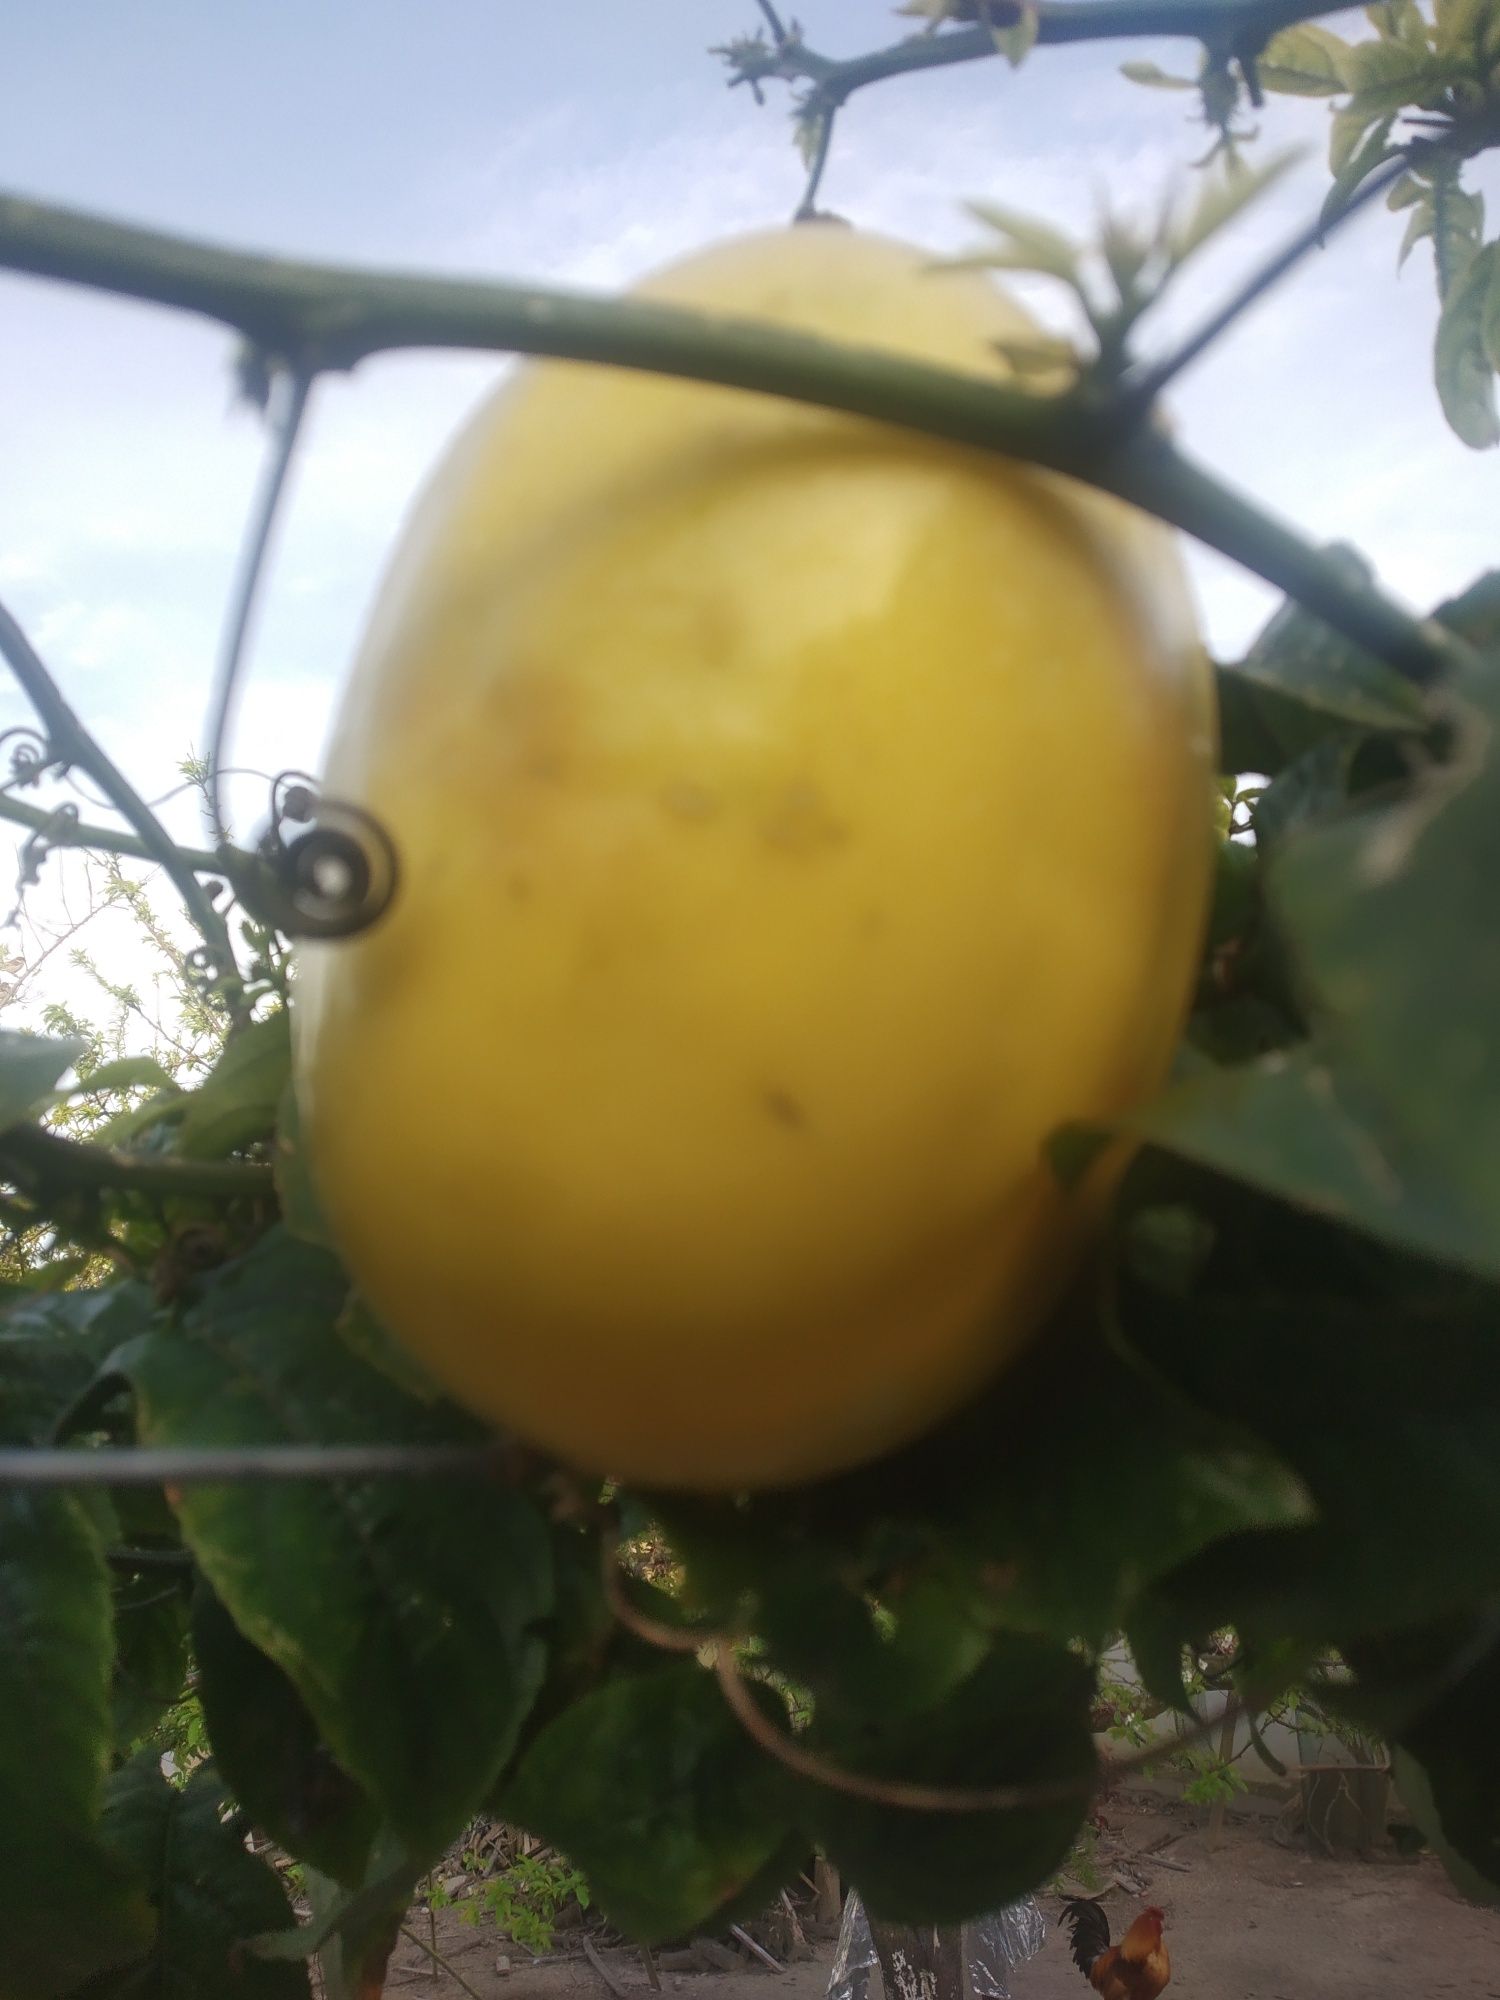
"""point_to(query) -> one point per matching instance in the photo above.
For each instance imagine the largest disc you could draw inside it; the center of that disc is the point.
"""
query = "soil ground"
(1254, 1917)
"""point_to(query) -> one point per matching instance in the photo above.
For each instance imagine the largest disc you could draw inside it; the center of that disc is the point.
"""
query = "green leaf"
(1419, 224)
(238, 1101)
(1379, 1384)
(1386, 76)
(1155, 78)
(150, 1666)
(1457, 229)
(1223, 197)
(68, 1907)
(1044, 248)
(272, 1754)
(1310, 789)
(1448, 1748)
(351, 1931)
(1021, 1718)
(211, 1896)
(1296, 1126)
(406, 1612)
(30, 1066)
(1017, 41)
(968, 1533)
(1156, 1648)
(1462, 363)
(1304, 61)
(1414, 1789)
(52, 1345)
(1400, 21)
(1461, 26)
(1358, 144)
(653, 1789)
(129, 1073)
(1304, 665)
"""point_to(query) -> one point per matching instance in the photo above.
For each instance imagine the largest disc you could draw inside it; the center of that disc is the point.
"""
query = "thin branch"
(242, 604)
(431, 1951)
(1142, 391)
(1224, 24)
(807, 210)
(773, 21)
(61, 831)
(332, 317)
(73, 745)
(208, 1465)
(40, 1160)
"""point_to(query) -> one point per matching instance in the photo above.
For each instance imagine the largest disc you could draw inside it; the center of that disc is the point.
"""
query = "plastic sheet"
(993, 1945)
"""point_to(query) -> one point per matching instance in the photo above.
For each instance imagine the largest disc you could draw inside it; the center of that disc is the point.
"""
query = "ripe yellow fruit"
(798, 820)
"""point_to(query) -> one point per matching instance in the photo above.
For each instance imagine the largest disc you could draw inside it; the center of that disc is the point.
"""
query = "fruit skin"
(798, 820)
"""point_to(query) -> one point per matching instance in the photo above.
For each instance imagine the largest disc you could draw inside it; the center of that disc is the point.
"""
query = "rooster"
(1137, 1968)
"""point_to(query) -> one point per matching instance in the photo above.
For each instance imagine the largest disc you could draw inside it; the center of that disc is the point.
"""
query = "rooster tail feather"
(1090, 1928)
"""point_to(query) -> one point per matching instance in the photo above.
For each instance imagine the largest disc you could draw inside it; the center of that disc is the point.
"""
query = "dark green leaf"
(652, 1787)
(30, 1066)
(1310, 789)
(237, 1102)
(1384, 1399)
(1414, 1789)
(1390, 1118)
(271, 1752)
(52, 1344)
(1445, 1686)
(1462, 362)
(1021, 1718)
(1297, 657)
(1299, 1127)
(405, 1612)
(68, 1907)
(1156, 1647)
(211, 1896)
(150, 1667)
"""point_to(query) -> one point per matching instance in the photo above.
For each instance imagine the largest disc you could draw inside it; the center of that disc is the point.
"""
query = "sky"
(578, 145)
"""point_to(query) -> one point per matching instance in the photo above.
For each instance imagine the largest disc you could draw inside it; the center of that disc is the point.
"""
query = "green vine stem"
(1232, 26)
(326, 316)
(61, 831)
(40, 1161)
(72, 744)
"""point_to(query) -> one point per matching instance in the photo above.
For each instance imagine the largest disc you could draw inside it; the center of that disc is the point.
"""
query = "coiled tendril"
(333, 864)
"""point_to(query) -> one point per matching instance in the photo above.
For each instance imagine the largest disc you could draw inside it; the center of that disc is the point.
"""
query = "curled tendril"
(30, 755)
(35, 849)
(332, 865)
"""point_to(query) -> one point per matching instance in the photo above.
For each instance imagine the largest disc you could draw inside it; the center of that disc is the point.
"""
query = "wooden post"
(920, 1964)
(830, 1890)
